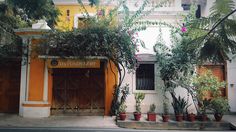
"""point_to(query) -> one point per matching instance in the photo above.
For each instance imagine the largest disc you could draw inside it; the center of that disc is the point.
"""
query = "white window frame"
(155, 79)
(77, 16)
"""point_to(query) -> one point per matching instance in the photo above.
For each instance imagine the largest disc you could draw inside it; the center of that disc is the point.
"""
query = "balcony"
(169, 6)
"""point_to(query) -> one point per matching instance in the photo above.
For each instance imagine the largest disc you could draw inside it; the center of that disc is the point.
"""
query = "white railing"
(154, 3)
(169, 5)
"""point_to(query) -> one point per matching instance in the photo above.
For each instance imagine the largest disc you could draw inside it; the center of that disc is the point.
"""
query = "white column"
(178, 5)
(231, 82)
(45, 87)
(24, 76)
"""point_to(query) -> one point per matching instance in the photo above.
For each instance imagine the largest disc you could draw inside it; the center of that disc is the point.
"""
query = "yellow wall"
(65, 22)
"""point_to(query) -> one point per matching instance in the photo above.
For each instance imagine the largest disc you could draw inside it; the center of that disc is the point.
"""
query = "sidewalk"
(13, 120)
(9, 120)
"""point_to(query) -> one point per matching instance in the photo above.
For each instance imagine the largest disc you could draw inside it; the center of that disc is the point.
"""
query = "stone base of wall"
(210, 125)
(35, 112)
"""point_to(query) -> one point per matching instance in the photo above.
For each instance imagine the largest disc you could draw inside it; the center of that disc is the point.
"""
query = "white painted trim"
(45, 83)
(23, 80)
(77, 16)
(36, 112)
(28, 70)
(34, 102)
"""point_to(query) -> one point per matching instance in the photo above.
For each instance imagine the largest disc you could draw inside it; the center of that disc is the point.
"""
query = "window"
(83, 22)
(198, 11)
(67, 12)
(145, 77)
(186, 7)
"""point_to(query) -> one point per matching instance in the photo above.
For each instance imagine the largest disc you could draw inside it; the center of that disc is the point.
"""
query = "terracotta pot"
(218, 117)
(151, 116)
(191, 117)
(137, 116)
(179, 117)
(165, 118)
(203, 117)
(122, 116)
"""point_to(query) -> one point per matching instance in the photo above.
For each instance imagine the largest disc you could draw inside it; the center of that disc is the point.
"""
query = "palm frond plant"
(215, 45)
(179, 105)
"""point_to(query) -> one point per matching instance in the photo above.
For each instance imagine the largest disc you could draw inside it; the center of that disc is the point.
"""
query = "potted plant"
(151, 115)
(203, 106)
(139, 97)
(179, 105)
(207, 87)
(122, 112)
(165, 115)
(220, 106)
(191, 117)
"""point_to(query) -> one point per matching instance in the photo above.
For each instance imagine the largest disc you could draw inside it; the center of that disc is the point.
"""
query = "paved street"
(85, 130)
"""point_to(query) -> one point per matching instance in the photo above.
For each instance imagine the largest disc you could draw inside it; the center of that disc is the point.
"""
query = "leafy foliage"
(207, 82)
(179, 105)
(204, 84)
(113, 43)
(119, 97)
(217, 45)
(139, 97)
(220, 105)
(36, 9)
(152, 108)
(122, 108)
(18, 14)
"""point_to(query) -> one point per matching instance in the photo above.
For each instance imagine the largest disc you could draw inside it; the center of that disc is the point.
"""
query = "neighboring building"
(143, 81)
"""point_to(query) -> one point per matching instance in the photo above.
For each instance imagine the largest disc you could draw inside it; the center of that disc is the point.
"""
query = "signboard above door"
(73, 63)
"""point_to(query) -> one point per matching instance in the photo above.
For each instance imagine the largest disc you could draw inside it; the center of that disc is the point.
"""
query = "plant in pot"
(139, 97)
(191, 117)
(179, 105)
(207, 87)
(165, 115)
(203, 106)
(122, 112)
(219, 106)
(151, 115)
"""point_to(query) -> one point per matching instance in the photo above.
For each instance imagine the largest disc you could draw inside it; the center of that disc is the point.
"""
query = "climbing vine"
(103, 35)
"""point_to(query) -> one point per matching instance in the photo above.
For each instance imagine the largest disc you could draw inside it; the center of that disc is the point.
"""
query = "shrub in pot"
(203, 106)
(151, 115)
(219, 106)
(139, 97)
(165, 115)
(122, 111)
(191, 117)
(207, 86)
(179, 105)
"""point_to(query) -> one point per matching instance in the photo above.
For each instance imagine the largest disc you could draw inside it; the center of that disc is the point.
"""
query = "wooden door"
(78, 91)
(218, 71)
(10, 87)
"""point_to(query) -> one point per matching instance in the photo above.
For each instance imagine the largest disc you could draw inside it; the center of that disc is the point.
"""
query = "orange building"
(40, 86)
(51, 85)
